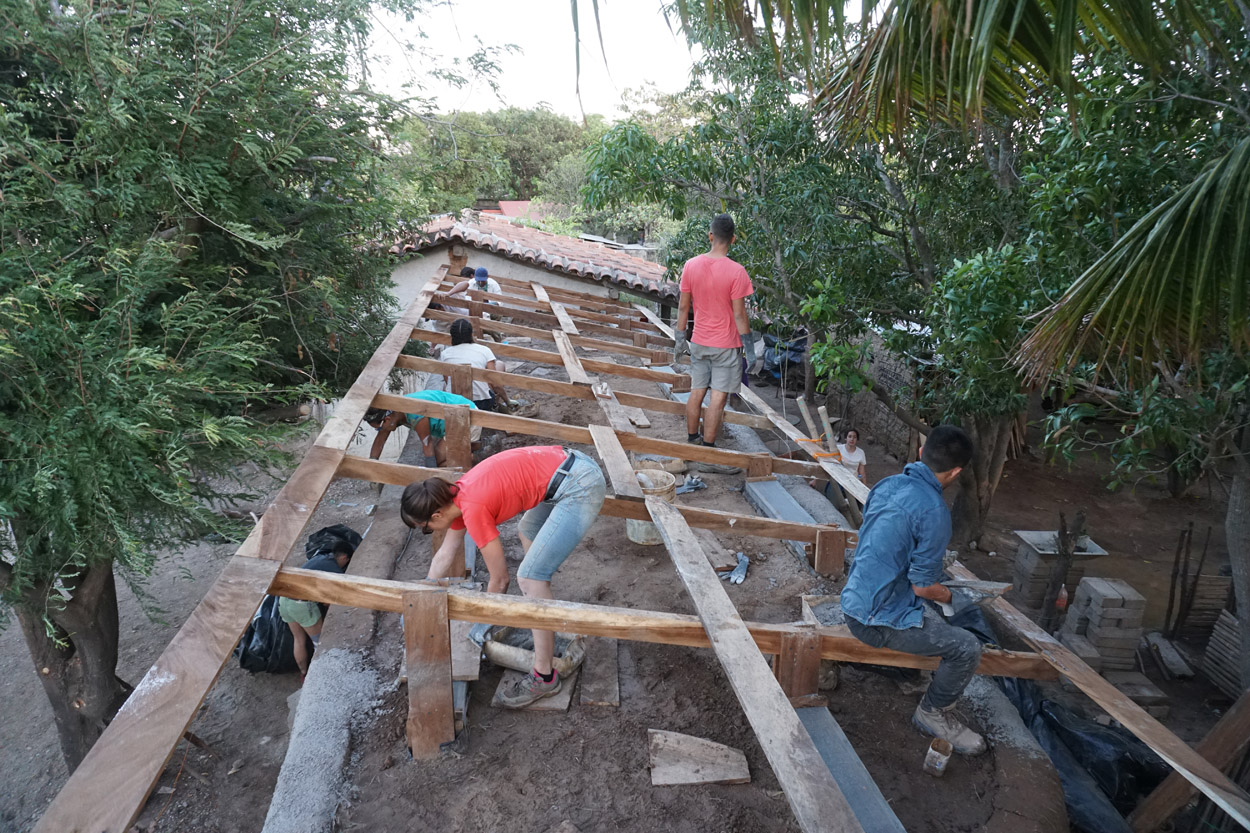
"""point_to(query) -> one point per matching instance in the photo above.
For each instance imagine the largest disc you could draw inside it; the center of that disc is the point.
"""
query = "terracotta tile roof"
(579, 258)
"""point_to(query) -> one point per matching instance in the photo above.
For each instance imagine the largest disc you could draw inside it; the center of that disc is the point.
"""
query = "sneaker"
(942, 723)
(717, 468)
(530, 689)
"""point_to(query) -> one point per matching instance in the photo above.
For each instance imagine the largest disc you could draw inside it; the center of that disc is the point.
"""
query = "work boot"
(530, 689)
(717, 468)
(942, 723)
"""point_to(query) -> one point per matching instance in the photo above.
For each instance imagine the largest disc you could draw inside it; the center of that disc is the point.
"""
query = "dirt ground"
(527, 771)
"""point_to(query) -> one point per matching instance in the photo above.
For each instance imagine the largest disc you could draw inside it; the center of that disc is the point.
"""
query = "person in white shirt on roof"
(465, 351)
(853, 456)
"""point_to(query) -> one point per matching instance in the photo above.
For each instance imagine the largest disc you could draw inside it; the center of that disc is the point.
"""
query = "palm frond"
(1178, 281)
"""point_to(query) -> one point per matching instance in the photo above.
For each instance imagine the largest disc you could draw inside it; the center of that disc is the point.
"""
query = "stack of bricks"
(1030, 576)
(1105, 621)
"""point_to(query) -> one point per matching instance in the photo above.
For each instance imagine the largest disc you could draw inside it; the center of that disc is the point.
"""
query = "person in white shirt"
(852, 455)
(465, 351)
(481, 281)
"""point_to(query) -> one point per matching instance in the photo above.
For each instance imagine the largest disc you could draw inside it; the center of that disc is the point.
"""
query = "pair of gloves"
(682, 347)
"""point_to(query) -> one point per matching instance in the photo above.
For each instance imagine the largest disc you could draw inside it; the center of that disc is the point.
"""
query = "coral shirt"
(714, 283)
(503, 486)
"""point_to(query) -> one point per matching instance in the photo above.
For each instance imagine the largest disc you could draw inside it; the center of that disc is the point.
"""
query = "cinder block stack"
(1106, 615)
(1031, 574)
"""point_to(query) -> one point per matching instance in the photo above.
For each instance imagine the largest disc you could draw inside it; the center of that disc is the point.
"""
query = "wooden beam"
(831, 547)
(680, 382)
(566, 323)
(1195, 769)
(506, 302)
(109, 788)
(797, 664)
(554, 386)
(1225, 743)
(613, 410)
(480, 326)
(458, 436)
(650, 315)
(836, 471)
(836, 642)
(427, 644)
(359, 468)
(814, 797)
(572, 364)
(577, 434)
(540, 292)
(620, 470)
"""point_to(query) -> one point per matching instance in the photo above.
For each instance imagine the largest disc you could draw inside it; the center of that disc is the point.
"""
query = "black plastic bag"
(324, 540)
(267, 644)
(1126, 769)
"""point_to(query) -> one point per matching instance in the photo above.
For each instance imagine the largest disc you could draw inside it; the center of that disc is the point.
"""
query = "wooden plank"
(566, 323)
(360, 468)
(480, 326)
(534, 314)
(797, 664)
(861, 792)
(836, 471)
(680, 382)
(616, 463)
(831, 547)
(109, 788)
(677, 759)
(461, 376)
(836, 643)
(812, 430)
(427, 643)
(636, 415)
(814, 797)
(613, 410)
(1178, 754)
(1225, 743)
(601, 673)
(458, 429)
(540, 292)
(466, 656)
(721, 559)
(578, 434)
(650, 315)
(572, 364)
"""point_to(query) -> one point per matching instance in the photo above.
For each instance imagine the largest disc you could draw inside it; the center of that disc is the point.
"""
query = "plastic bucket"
(657, 484)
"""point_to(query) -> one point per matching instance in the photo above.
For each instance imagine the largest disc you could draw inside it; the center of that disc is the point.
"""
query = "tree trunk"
(979, 480)
(1237, 531)
(76, 658)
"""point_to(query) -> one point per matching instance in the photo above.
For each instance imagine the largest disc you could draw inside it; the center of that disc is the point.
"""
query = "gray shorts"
(718, 368)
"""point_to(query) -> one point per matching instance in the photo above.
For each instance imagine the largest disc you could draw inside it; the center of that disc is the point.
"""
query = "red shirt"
(714, 283)
(503, 486)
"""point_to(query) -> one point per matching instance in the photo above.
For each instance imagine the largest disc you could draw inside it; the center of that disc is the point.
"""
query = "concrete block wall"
(864, 411)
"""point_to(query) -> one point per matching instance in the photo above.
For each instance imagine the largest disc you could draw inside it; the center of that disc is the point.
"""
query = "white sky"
(639, 47)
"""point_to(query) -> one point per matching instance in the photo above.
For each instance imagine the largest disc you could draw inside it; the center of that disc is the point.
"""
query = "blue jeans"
(555, 527)
(959, 649)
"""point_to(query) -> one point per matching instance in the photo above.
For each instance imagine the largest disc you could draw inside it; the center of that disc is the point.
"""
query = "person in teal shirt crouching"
(430, 430)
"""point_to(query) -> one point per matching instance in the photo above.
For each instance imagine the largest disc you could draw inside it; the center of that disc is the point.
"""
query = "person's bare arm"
(934, 592)
(458, 288)
(500, 393)
(384, 433)
(492, 554)
(443, 565)
(683, 312)
(740, 316)
(862, 471)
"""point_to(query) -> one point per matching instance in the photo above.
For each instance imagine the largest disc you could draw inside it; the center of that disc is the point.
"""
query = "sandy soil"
(529, 771)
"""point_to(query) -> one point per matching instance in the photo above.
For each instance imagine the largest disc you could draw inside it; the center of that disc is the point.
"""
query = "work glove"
(680, 346)
(748, 349)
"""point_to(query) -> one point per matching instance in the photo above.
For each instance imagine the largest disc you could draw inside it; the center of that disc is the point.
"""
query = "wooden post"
(797, 664)
(831, 546)
(759, 466)
(462, 381)
(427, 645)
(640, 338)
(458, 437)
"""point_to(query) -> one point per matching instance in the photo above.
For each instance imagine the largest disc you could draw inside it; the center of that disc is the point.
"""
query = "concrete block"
(1131, 598)
(1102, 593)
(1081, 646)
(1137, 687)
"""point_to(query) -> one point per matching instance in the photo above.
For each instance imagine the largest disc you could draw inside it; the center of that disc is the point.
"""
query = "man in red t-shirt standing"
(718, 288)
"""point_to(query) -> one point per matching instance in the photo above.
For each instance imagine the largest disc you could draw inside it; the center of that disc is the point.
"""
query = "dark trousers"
(959, 649)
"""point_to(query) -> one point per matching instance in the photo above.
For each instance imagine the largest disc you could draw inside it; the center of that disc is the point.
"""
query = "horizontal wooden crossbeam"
(836, 643)
(504, 328)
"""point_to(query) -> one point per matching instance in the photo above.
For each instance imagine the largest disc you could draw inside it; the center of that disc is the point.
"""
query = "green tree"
(189, 191)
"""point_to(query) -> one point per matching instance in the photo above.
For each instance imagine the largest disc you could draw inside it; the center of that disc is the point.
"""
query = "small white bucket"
(938, 756)
(658, 484)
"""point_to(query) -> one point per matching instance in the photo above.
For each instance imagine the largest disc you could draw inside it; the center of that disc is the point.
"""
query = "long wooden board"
(109, 788)
(572, 364)
(480, 326)
(1227, 740)
(427, 643)
(814, 797)
(656, 320)
(503, 306)
(578, 434)
(1180, 756)
(836, 643)
(836, 471)
(680, 382)
(685, 759)
(566, 323)
(620, 471)
(555, 386)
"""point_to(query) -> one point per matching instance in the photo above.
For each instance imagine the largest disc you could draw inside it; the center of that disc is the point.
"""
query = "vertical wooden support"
(759, 466)
(640, 338)
(831, 546)
(459, 443)
(662, 357)
(797, 664)
(427, 644)
(462, 381)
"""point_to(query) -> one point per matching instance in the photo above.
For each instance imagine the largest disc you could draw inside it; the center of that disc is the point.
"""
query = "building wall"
(412, 274)
(866, 412)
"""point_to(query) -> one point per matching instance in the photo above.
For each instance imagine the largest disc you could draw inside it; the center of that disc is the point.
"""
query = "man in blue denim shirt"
(898, 563)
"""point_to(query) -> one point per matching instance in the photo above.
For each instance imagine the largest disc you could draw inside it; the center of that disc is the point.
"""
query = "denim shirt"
(901, 543)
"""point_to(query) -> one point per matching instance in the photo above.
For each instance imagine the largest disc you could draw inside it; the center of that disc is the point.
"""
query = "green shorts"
(304, 614)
